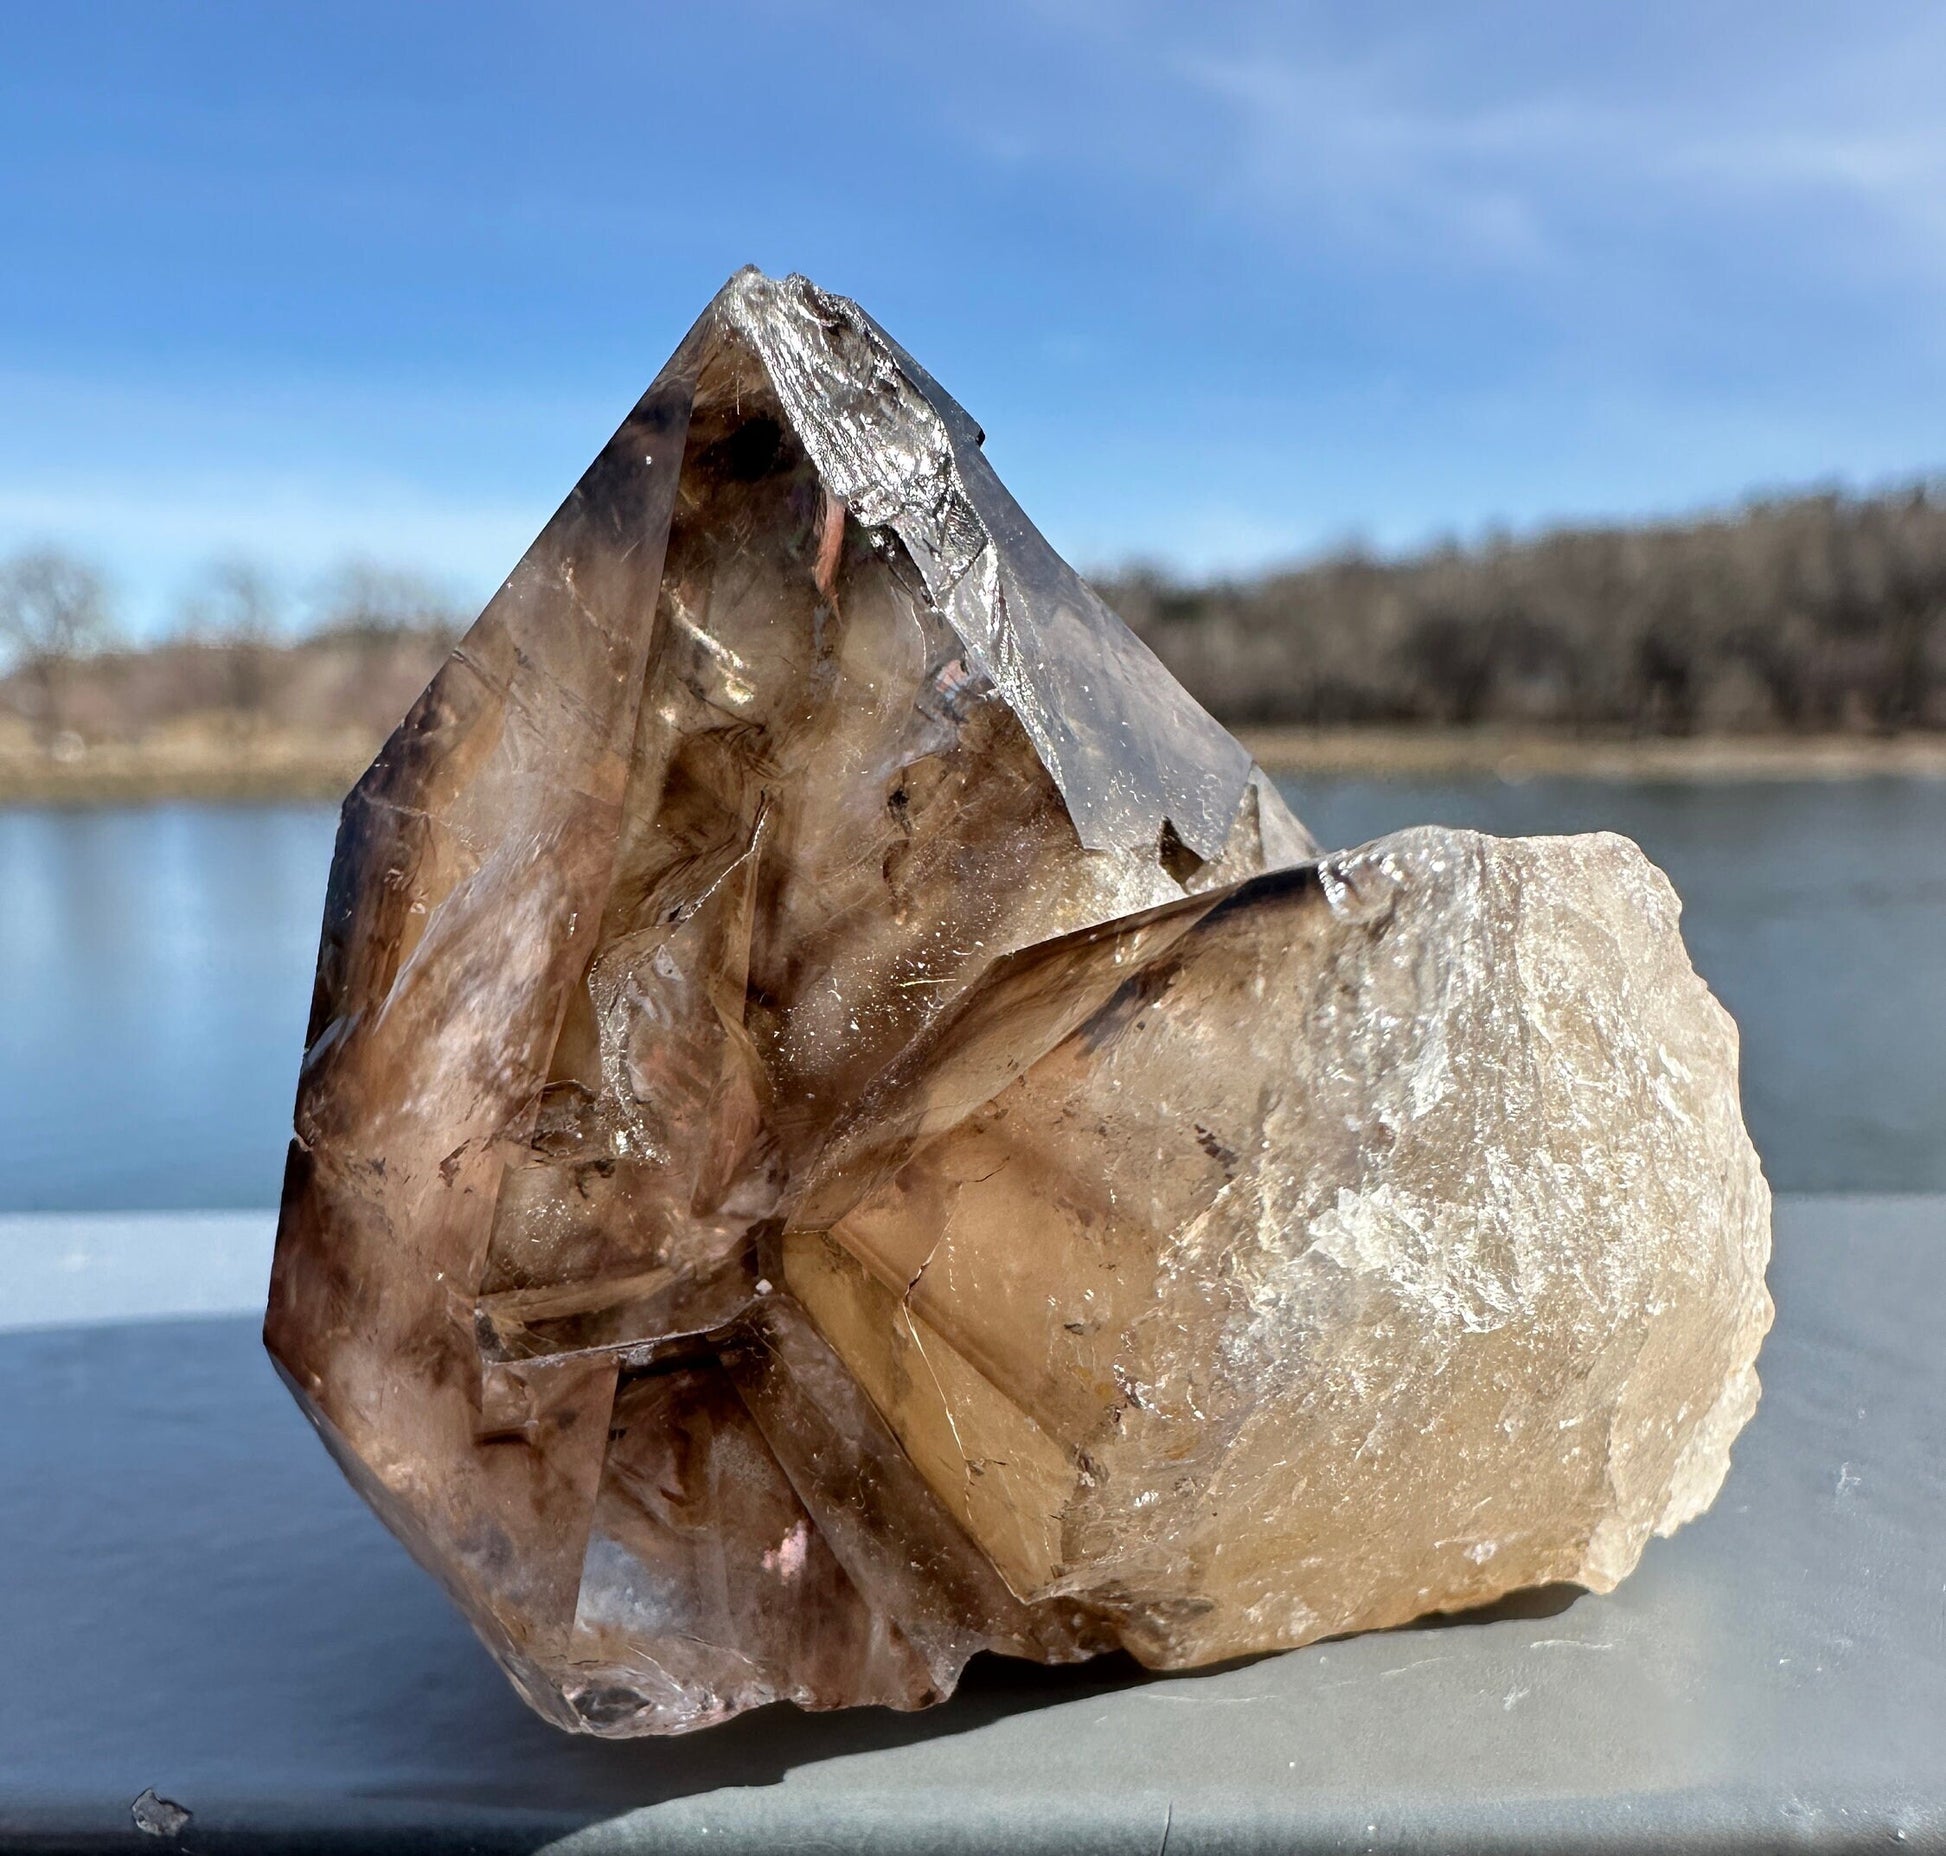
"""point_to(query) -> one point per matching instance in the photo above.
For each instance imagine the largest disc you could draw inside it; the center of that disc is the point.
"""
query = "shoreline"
(214, 763)
(1513, 754)
(292, 765)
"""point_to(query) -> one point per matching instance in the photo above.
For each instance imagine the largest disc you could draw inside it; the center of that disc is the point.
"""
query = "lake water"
(155, 970)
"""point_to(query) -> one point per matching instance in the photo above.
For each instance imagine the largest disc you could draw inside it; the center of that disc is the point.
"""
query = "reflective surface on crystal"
(844, 1123)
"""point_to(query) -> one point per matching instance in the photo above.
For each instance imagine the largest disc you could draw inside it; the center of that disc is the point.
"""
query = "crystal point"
(845, 1123)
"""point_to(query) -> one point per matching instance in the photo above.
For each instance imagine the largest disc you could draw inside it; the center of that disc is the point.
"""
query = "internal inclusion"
(847, 1125)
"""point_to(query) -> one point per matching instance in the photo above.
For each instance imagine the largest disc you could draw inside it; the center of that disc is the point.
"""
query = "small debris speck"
(158, 1817)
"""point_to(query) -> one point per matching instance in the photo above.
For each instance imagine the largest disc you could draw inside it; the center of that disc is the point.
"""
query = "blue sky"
(1225, 283)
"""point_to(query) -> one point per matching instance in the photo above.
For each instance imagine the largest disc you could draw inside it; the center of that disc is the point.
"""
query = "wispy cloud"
(1476, 138)
(1339, 144)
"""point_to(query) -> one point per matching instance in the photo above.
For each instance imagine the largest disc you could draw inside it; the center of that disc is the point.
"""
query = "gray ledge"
(194, 1604)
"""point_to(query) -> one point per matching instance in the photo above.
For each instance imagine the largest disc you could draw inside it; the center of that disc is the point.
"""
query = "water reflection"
(154, 979)
(155, 971)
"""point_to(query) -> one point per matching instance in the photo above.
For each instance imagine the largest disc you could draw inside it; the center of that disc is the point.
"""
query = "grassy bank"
(188, 761)
(220, 761)
(1512, 753)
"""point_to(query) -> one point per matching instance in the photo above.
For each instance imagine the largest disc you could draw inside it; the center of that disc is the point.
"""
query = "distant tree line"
(1811, 613)
(1821, 612)
(352, 653)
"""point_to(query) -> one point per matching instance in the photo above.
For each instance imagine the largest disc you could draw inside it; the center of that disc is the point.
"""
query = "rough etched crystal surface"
(845, 1124)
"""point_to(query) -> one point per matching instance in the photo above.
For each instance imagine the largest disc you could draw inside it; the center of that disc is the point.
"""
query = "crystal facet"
(845, 1124)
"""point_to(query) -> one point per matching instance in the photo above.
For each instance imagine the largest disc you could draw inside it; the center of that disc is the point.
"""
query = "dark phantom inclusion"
(803, 1169)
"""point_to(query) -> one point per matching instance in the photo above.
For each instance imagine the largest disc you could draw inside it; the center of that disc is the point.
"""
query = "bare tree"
(365, 599)
(236, 609)
(53, 612)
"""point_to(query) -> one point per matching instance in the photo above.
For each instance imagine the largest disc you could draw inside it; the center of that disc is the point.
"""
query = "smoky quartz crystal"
(845, 1124)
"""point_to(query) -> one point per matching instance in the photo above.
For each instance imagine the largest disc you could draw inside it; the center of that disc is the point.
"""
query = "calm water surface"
(155, 967)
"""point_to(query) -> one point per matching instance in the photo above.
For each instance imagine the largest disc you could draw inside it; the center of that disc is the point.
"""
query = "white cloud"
(1502, 139)
(1339, 143)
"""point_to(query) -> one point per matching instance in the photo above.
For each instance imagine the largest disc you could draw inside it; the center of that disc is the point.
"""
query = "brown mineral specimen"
(845, 1124)
(1390, 1242)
